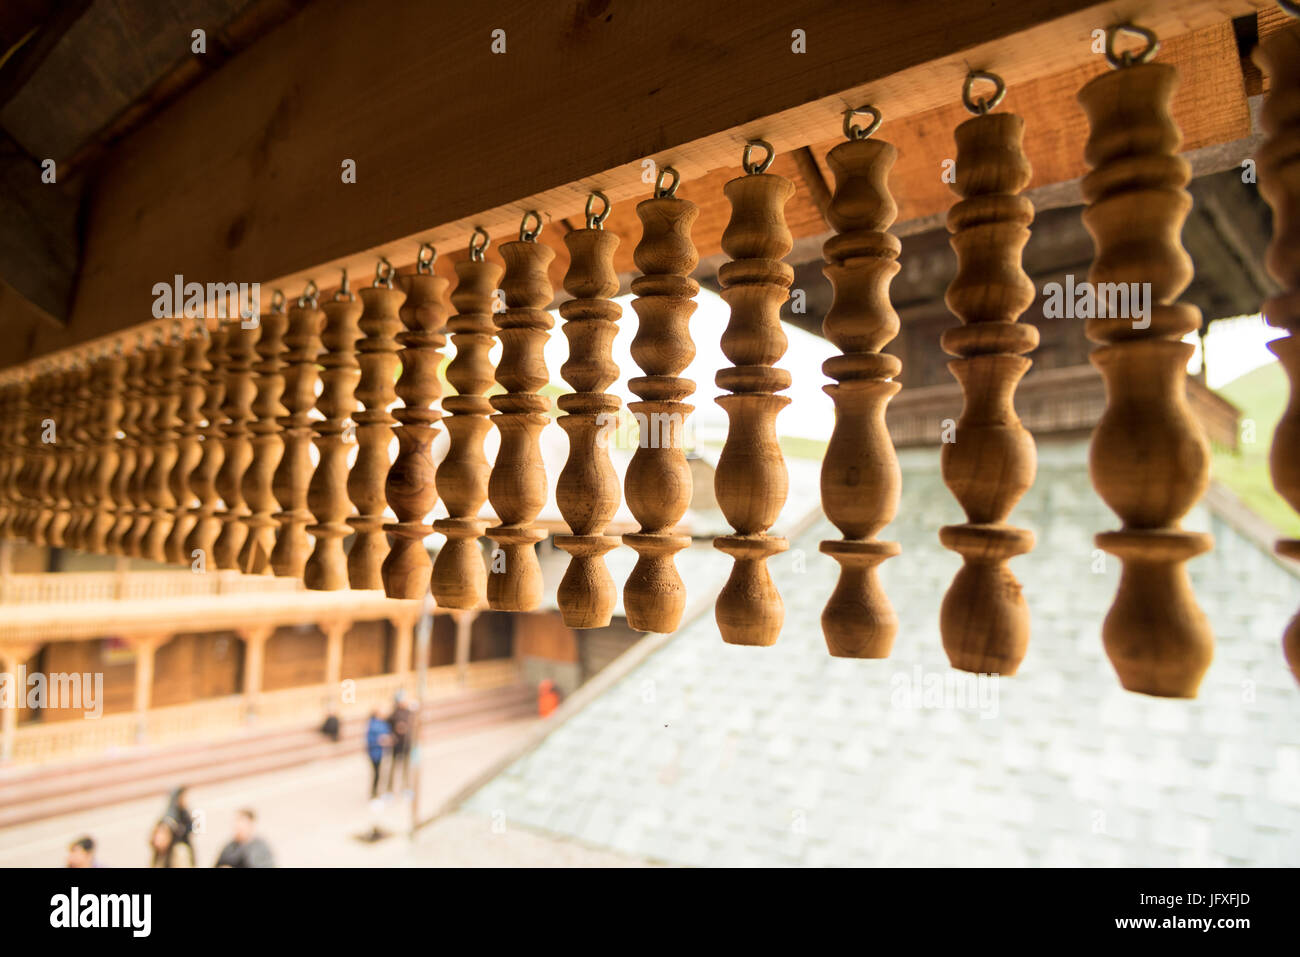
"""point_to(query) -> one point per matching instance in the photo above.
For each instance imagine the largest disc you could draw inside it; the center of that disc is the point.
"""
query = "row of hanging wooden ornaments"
(200, 445)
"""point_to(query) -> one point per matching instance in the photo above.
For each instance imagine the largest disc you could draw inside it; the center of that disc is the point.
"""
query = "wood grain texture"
(1279, 182)
(860, 479)
(206, 527)
(658, 481)
(147, 387)
(377, 356)
(991, 461)
(128, 451)
(65, 452)
(237, 413)
(587, 491)
(293, 474)
(459, 578)
(1149, 460)
(517, 485)
(327, 495)
(267, 444)
(158, 488)
(410, 487)
(189, 444)
(109, 391)
(751, 481)
(80, 454)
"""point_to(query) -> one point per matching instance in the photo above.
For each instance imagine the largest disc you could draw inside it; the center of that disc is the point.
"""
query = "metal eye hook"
(751, 168)
(1128, 57)
(423, 264)
(596, 220)
(666, 192)
(310, 292)
(854, 132)
(527, 235)
(383, 273)
(983, 104)
(476, 248)
(344, 292)
(277, 301)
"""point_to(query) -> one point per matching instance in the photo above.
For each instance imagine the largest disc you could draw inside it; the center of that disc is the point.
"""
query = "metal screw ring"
(666, 192)
(527, 235)
(597, 220)
(983, 104)
(423, 264)
(383, 273)
(1128, 57)
(855, 132)
(309, 294)
(476, 248)
(751, 168)
(277, 301)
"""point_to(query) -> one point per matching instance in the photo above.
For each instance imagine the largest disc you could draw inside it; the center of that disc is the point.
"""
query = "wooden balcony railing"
(64, 588)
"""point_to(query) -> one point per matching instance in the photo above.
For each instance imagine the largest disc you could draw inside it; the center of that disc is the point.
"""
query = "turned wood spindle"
(517, 486)
(751, 482)
(66, 453)
(158, 484)
(23, 453)
(128, 450)
(588, 492)
(658, 481)
(81, 454)
(237, 414)
(991, 462)
(459, 578)
(293, 474)
(327, 495)
(203, 480)
(267, 445)
(860, 480)
(1149, 459)
(410, 488)
(8, 446)
(54, 399)
(79, 532)
(377, 356)
(192, 388)
(146, 427)
(109, 392)
(1279, 182)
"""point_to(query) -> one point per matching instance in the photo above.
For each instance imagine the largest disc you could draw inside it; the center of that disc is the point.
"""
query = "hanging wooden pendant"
(128, 450)
(82, 482)
(658, 481)
(860, 481)
(459, 578)
(1149, 458)
(66, 448)
(293, 474)
(77, 452)
(377, 356)
(203, 480)
(267, 445)
(158, 488)
(751, 481)
(27, 444)
(8, 446)
(237, 412)
(189, 450)
(48, 460)
(991, 461)
(1279, 182)
(588, 491)
(517, 485)
(410, 488)
(145, 428)
(327, 496)
(109, 398)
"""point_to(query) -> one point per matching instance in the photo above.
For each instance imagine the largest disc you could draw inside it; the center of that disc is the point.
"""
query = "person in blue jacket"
(379, 735)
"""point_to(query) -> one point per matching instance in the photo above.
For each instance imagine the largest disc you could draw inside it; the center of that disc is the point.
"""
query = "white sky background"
(1235, 347)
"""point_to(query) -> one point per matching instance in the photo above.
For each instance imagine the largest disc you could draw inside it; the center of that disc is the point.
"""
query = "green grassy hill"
(1261, 396)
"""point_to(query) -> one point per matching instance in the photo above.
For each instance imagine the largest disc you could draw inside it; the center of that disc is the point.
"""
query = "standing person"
(166, 850)
(81, 852)
(379, 735)
(246, 849)
(178, 816)
(403, 725)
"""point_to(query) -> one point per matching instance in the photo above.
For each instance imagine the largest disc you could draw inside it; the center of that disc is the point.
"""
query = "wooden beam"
(240, 179)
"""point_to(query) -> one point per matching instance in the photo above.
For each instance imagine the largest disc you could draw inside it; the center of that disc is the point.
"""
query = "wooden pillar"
(189, 450)
(108, 396)
(403, 641)
(206, 526)
(146, 647)
(588, 490)
(147, 385)
(11, 656)
(517, 486)
(335, 631)
(267, 445)
(241, 391)
(464, 630)
(658, 481)
(255, 638)
(751, 482)
(1279, 182)
(1149, 459)
(158, 483)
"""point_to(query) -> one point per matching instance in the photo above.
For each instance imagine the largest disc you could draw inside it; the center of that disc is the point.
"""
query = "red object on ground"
(548, 698)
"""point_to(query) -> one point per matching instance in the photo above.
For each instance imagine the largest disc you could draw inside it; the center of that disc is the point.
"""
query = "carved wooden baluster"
(165, 452)
(751, 481)
(54, 398)
(377, 356)
(146, 427)
(991, 462)
(79, 452)
(267, 445)
(203, 480)
(237, 412)
(8, 447)
(459, 577)
(294, 473)
(15, 449)
(28, 443)
(192, 389)
(658, 481)
(128, 450)
(1149, 459)
(327, 568)
(517, 486)
(65, 453)
(588, 490)
(861, 481)
(109, 393)
(83, 519)
(410, 487)
(1279, 182)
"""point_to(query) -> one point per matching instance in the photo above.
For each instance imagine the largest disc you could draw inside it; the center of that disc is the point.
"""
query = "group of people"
(171, 842)
(392, 738)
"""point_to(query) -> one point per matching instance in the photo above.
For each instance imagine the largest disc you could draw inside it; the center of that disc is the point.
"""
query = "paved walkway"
(311, 816)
